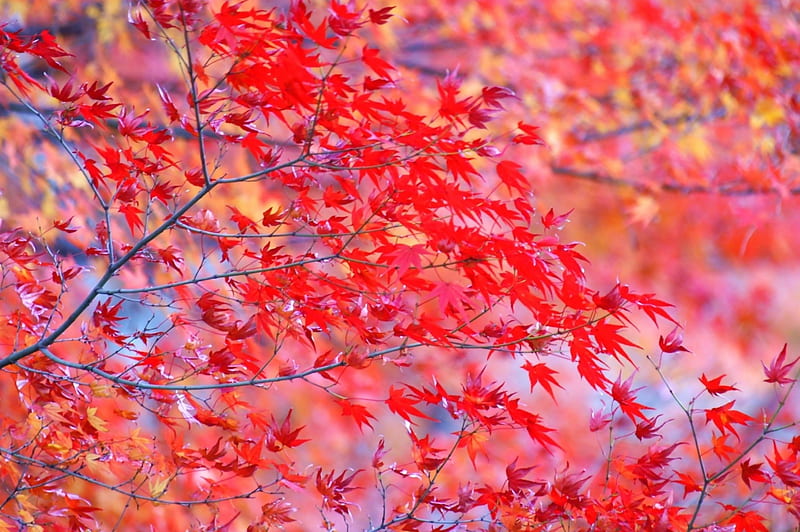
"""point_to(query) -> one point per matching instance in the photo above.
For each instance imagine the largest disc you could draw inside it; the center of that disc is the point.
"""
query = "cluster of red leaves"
(359, 268)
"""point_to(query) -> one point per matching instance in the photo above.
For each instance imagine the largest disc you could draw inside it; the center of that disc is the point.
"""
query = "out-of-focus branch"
(675, 188)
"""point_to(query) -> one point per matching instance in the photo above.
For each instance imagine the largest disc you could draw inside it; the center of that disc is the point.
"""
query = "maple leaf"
(131, 125)
(673, 343)
(647, 303)
(65, 225)
(515, 477)
(380, 452)
(648, 467)
(451, 107)
(95, 421)
(529, 135)
(779, 369)
(724, 417)
(530, 422)
(276, 512)
(752, 472)
(551, 220)
(44, 45)
(747, 521)
(622, 393)
(721, 447)
(260, 150)
(96, 91)
(598, 420)
(689, 483)
(66, 93)
(343, 21)
(163, 192)
(612, 301)
(450, 296)
(643, 211)
(359, 413)
(106, 317)
(216, 313)
(509, 174)
(172, 257)
(239, 330)
(380, 16)
(283, 435)
(426, 456)
(404, 405)
(376, 64)
(133, 217)
(402, 257)
(493, 95)
(648, 428)
(785, 468)
(714, 386)
(565, 490)
(333, 490)
(542, 375)
(475, 442)
(243, 223)
(610, 341)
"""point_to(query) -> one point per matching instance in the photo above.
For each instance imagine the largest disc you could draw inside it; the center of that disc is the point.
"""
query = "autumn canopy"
(447, 265)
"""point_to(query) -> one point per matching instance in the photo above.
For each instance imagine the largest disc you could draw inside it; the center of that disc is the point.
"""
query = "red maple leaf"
(375, 63)
(714, 386)
(622, 393)
(542, 375)
(133, 216)
(786, 469)
(402, 257)
(778, 369)
(404, 405)
(752, 472)
(283, 435)
(529, 135)
(380, 16)
(724, 417)
(673, 343)
(450, 296)
(689, 483)
(359, 413)
(515, 477)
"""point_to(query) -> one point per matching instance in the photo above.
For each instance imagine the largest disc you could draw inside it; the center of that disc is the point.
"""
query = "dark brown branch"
(595, 135)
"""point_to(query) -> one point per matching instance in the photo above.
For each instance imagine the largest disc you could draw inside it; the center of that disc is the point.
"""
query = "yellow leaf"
(695, 144)
(784, 495)
(622, 97)
(766, 145)
(59, 444)
(644, 210)
(101, 390)
(53, 412)
(34, 426)
(96, 422)
(730, 103)
(767, 112)
(158, 487)
(96, 466)
(137, 446)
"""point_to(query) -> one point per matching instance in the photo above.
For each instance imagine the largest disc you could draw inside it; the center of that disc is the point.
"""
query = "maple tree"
(289, 294)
